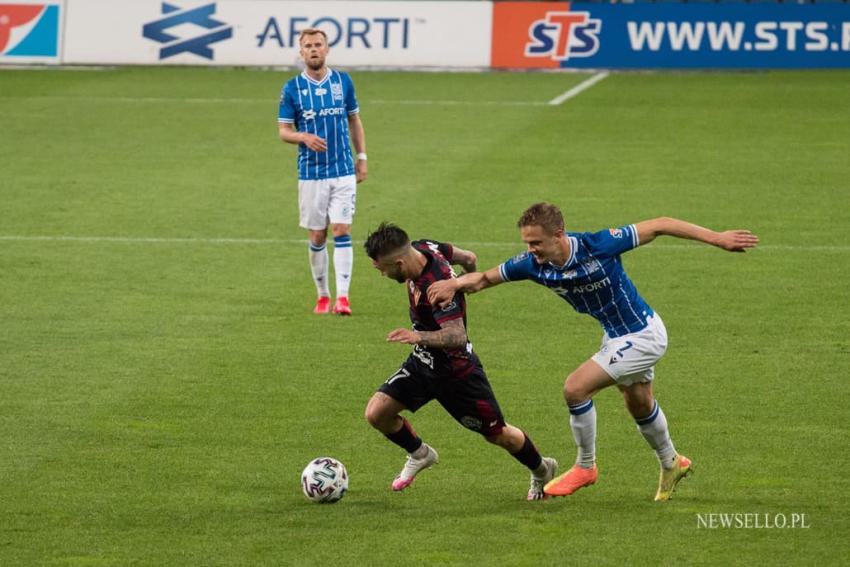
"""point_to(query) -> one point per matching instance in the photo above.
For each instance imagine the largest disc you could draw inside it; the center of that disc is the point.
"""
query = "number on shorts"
(402, 373)
(623, 349)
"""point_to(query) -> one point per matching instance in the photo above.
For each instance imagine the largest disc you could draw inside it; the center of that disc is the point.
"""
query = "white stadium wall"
(262, 32)
(414, 34)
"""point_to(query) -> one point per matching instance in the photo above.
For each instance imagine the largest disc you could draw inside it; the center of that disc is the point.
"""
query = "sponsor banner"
(30, 31)
(262, 32)
(577, 35)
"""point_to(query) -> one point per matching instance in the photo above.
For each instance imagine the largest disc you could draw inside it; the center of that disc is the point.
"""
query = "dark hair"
(385, 240)
(545, 215)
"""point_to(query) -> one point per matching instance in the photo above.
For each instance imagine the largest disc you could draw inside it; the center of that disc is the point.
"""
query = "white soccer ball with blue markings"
(324, 480)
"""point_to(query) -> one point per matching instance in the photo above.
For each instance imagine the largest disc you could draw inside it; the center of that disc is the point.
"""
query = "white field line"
(579, 88)
(584, 85)
(303, 242)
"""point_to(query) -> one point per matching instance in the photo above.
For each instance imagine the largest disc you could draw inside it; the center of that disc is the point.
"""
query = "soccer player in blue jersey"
(585, 269)
(443, 365)
(319, 112)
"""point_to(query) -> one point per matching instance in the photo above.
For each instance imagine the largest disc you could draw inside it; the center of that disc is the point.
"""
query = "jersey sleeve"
(454, 310)
(351, 105)
(613, 241)
(517, 268)
(286, 111)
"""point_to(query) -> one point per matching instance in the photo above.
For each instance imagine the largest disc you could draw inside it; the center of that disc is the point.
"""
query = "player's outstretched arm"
(452, 334)
(292, 136)
(732, 240)
(442, 292)
(466, 259)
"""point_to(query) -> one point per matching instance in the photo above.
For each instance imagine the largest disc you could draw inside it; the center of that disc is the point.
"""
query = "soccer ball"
(324, 480)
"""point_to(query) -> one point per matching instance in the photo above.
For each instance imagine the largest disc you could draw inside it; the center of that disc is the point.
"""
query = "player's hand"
(442, 292)
(360, 170)
(405, 336)
(737, 240)
(314, 142)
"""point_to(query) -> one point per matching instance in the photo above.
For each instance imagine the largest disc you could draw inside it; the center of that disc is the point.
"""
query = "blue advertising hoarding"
(745, 36)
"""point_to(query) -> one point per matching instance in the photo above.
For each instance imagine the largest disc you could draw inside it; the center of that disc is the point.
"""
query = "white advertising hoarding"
(263, 32)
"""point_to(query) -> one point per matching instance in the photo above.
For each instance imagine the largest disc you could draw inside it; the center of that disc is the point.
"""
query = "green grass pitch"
(163, 382)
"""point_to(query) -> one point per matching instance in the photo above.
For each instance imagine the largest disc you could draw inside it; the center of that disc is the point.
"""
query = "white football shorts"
(631, 358)
(321, 201)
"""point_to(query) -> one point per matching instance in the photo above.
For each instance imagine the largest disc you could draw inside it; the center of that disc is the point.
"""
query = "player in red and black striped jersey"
(442, 366)
(460, 361)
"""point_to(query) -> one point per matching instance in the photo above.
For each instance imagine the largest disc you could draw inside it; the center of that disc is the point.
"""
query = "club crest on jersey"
(616, 232)
(591, 265)
(336, 91)
(562, 35)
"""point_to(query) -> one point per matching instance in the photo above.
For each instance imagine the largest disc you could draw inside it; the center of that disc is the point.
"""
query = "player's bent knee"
(371, 416)
(375, 414)
(574, 394)
(318, 237)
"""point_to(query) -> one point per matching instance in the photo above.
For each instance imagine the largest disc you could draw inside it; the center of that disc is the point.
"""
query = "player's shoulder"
(296, 79)
(590, 238)
(340, 75)
(605, 234)
(292, 83)
(429, 246)
(439, 266)
(426, 242)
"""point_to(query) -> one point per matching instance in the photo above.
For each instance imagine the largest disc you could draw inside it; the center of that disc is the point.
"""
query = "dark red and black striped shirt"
(428, 317)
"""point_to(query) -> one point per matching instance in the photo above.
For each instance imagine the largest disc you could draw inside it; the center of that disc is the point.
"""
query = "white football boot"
(535, 490)
(412, 467)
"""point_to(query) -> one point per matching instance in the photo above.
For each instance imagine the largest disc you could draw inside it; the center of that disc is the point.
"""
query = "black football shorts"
(469, 399)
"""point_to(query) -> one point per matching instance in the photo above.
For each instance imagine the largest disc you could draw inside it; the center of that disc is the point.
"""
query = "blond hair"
(312, 31)
(545, 215)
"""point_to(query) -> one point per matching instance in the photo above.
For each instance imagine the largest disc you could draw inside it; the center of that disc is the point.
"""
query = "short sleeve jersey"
(321, 108)
(428, 317)
(593, 280)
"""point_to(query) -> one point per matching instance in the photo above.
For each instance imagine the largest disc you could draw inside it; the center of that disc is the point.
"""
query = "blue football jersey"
(593, 280)
(321, 108)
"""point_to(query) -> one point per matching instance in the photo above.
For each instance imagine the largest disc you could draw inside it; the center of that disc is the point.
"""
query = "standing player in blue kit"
(319, 111)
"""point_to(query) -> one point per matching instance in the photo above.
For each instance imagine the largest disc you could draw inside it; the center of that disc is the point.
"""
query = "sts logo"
(561, 35)
(541, 34)
(29, 31)
(173, 17)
